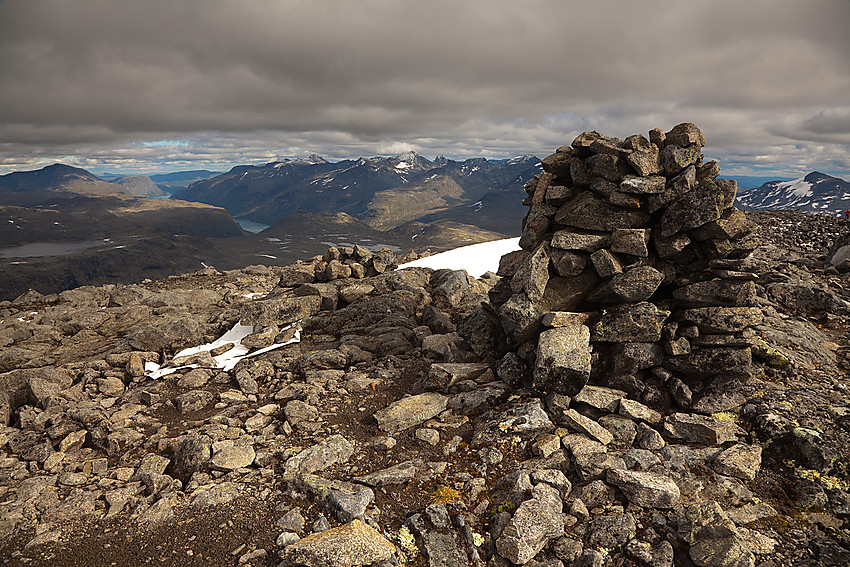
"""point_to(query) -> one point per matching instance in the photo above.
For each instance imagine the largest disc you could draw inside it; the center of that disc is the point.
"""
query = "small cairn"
(628, 275)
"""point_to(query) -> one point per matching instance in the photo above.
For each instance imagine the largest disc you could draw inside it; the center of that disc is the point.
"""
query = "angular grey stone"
(591, 213)
(732, 224)
(533, 525)
(659, 556)
(520, 417)
(594, 466)
(407, 412)
(752, 512)
(553, 477)
(563, 360)
(600, 397)
(585, 425)
(344, 500)
(721, 319)
(741, 461)
(231, 458)
(565, 294)
(192, 455)
(716, 292)
(611, 530)
(436, 540)
(702, 429)
(638, 322)
(280, 309)
(567, 263)
(479, 400)
(720, 546)
(676, 187)
(623, 429)
(640, 459)
(643, 185)
(606, 264)
(675, 158)
(451, 286)
(725, 359)
(646, 489)
(396, 474)
(685, 134)
(334, 449)
(568, 239)
(609, 166)
(596, 493)
(350, 545)
(697, 207)
(483, 332)
(533, 274)
(520, 318)
(629, 358)
(151, 464)
(632, 241)
(669, 246)
(637, 411)
(633, 285)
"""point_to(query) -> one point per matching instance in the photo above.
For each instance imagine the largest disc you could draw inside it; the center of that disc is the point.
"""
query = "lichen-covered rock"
(563, 360)
(636, 322)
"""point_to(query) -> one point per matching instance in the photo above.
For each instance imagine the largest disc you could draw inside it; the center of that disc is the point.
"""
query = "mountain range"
(816, 192)
(382, 192)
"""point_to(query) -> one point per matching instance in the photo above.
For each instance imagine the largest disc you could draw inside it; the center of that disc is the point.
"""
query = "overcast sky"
(167, 85)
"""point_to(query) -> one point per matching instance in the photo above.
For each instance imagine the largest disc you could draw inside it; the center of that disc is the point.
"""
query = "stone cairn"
(628, 275)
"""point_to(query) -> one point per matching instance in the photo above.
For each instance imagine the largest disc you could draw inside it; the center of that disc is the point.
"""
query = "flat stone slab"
(578, 422)
(741, 461)
(702, 429)
(349, 545)
(646, 489)
(410, 411)
(600, 397)
(396, 474)
(334, 449)
(231, 458)
(637, 411)
(630, 323)
(346, 501)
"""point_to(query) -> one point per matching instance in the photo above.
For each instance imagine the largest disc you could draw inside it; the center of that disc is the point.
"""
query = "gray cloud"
(243, 82)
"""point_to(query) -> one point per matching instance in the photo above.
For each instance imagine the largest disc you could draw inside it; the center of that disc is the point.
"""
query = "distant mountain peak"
(312, 159)
(815, 192)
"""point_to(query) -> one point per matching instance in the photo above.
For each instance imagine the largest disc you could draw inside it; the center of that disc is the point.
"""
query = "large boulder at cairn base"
(563, 360)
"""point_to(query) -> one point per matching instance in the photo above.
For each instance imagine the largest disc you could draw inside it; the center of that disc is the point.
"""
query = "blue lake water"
(40, 249)
(252, 226)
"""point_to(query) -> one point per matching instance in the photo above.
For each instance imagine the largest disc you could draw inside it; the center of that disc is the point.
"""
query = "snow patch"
(476, 259)
(798, 187)
(225, 361)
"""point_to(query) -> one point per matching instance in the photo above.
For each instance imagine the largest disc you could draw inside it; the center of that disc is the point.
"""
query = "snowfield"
(475, 258)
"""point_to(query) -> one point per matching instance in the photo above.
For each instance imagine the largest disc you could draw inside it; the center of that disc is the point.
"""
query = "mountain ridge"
(376, 190)
(815, 192)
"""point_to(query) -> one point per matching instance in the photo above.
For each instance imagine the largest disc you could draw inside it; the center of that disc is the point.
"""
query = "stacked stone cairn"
(627, 275)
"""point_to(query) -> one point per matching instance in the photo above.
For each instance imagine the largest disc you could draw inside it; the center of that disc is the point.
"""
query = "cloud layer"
(163, 85)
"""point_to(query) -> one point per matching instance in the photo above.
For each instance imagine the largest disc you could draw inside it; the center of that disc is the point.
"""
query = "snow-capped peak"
(798, 187)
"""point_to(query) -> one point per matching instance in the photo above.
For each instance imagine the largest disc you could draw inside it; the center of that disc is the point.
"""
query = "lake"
(39, 249)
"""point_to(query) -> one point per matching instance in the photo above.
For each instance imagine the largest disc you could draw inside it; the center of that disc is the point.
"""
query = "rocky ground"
(381, 438)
